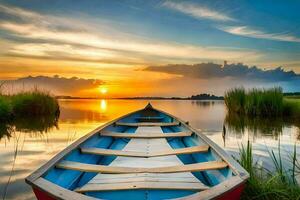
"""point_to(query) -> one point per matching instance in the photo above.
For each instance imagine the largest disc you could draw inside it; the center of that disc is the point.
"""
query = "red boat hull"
(41, 195)
(234, 194)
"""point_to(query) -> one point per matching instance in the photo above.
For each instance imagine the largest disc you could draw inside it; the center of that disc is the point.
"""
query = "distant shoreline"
(147, 98)
(93, 98)
(204, 97)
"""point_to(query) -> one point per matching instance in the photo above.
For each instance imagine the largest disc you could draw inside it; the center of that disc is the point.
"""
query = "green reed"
(264, 184)
(34, 103)
(27, 104)
(5, 109)
(235, 100)
(260, 102)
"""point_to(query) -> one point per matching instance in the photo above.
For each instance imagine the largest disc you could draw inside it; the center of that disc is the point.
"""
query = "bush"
(291, 108)
(34, 103)
(235, 100)
(5, 109)
(255, 102)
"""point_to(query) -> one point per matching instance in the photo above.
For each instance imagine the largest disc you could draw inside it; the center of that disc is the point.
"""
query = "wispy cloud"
(254, 33)
(18, 12)
(58, 36)
(197, 11)
(202, 12)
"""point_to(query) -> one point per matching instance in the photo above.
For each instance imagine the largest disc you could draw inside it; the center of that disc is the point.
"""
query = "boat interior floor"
(181, 180)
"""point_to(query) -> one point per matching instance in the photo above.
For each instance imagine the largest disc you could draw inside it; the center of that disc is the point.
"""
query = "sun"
(103, 90)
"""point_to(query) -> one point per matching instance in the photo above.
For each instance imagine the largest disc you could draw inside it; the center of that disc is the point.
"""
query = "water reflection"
(36, 124)
(206, 103)
(83, 111)
(260, 127)
(5, 130)
(33, 125)
(103, 105)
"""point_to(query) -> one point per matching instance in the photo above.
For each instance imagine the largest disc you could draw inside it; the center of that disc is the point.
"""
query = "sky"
(149, 48)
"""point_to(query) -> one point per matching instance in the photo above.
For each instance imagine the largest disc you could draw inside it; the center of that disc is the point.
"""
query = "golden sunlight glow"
(103, 90)
(103, 105)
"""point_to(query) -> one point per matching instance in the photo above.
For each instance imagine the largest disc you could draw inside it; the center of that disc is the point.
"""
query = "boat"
(147, 154)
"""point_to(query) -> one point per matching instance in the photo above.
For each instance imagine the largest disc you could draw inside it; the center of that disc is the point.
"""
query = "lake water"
(29, 143)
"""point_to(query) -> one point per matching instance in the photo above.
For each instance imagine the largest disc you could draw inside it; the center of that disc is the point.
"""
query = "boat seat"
(146, 135)
(110, 152)
(148, 124)
(203, 166)
(149, 117)
(143, 184)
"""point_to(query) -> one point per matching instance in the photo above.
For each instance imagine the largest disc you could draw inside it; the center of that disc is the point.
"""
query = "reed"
(258, 102)
(27, 104)
(5, 109)
(235, 100)
(291, 107)
(34, 103)
(266, 185)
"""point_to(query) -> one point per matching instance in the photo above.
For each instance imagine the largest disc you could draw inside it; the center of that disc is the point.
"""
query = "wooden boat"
(148, 154)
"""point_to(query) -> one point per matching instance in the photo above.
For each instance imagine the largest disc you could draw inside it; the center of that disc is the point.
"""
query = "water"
(31, 142)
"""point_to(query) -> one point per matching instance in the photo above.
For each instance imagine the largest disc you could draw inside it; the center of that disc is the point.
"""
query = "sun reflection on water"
(103, 105)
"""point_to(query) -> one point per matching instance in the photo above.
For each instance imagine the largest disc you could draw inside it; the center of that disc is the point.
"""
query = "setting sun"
(103, 90)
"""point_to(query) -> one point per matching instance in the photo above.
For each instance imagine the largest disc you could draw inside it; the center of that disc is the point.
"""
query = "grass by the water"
(5, 109)
(28, 104)
(261, 102)
(266, 110)
(264, 184)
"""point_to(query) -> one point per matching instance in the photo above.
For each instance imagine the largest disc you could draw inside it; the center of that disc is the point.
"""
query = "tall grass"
(5, 109)
(255, 102)
(34, 103)
(292, 107)
(265, 184)
(27, 104)
(235, 100)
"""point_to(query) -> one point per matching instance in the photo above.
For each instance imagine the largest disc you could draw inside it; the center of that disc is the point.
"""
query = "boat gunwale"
(60, 155)
(233, 164)
(241, 175)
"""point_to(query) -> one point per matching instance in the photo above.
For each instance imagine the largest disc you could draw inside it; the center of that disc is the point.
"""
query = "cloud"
(56, 85)
(201, 12)
(197, 11)
(157, 48)
(254, 33)
(48, 36)
(236, 71)
(23, 16)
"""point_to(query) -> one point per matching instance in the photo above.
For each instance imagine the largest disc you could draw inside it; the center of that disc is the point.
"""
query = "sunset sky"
(149, 48)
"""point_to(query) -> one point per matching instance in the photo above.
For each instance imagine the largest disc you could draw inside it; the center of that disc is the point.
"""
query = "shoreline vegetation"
(31, 104)
(33, 111)
(261, 103)
(266, 184)
(266, 110)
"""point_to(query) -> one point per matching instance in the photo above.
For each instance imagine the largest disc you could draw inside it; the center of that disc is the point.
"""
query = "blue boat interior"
(72, 179)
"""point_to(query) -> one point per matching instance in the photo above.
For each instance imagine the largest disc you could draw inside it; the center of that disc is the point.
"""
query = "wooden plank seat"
(142, 185)
(119, 170)
(148, 124)
(146, 135)
(140, 177)
(110, 152)
(145, 118)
